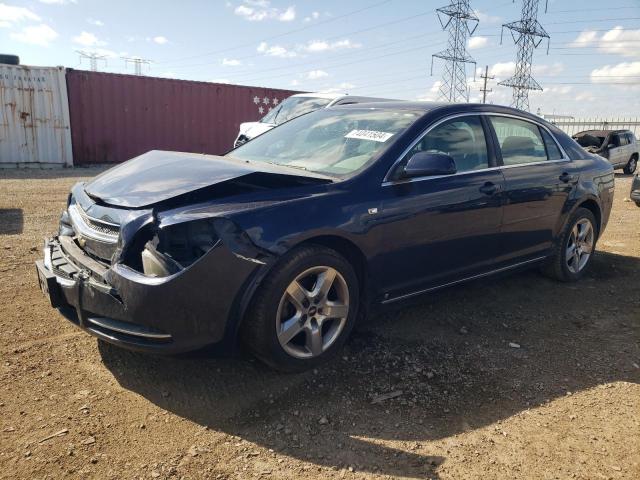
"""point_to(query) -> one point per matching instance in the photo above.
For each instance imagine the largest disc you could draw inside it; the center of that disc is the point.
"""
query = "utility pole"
(93, 59)
(484, 89)
(527, 33)
(461, 23)
(137, 63)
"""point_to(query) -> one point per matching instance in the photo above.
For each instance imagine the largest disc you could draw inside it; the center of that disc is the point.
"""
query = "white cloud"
(477, 42)
(259, 10)
(341, 88)
(288, 15)
(231, 62)
(41, 35)
(294, 83)
(313, 16)
(87, 39)
(316, 74)
(584, 39)
(160, 40)
(275, 51)
(10, 15)
(324, 46)
(622, 75)
(487, 19)
(502, 69)
(548, 70)
(432, 94)
(220, 80)
(97, 23)
(616, 41)
(57, 2)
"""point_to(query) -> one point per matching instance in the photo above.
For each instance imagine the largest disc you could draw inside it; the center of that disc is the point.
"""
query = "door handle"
(566, 177)
(490, 188)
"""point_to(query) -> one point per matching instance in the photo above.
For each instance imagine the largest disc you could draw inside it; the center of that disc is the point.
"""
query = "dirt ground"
(516, 377)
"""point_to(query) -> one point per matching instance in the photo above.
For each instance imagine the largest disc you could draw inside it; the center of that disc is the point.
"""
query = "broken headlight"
(175, 247)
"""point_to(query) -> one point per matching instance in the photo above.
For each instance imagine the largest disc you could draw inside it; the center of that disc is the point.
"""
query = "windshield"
(293, 107)
(338, 142)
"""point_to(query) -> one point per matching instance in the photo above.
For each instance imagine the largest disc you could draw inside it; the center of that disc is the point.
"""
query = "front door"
(436, 230)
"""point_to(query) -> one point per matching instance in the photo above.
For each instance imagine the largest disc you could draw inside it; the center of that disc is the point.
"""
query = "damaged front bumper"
(191, 309)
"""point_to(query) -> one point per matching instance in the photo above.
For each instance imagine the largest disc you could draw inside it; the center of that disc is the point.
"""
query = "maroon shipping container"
(117, 117)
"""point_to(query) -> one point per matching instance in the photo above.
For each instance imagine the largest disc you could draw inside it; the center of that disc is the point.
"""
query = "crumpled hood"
(157, 176)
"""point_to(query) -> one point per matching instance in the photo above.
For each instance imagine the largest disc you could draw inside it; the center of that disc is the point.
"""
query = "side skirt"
(462, 280)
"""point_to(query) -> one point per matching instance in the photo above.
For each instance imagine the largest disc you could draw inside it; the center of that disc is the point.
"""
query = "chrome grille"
(99, 226)
(91, 227)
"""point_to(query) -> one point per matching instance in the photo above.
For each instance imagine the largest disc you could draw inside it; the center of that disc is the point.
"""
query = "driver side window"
(461, 138)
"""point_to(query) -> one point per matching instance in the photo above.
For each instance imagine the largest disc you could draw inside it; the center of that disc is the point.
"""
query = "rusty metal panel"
(34, 117)
(117, 117)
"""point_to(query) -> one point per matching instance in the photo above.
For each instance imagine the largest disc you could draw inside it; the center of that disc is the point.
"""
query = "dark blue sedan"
(284, 242)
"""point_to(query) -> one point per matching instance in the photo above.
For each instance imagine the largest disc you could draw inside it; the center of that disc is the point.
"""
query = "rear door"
(538, 179)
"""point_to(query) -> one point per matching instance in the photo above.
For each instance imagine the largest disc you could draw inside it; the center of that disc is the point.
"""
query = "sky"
(376, 47)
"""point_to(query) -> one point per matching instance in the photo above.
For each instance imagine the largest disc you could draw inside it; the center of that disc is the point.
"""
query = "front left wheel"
(304, 310)
(631, 165)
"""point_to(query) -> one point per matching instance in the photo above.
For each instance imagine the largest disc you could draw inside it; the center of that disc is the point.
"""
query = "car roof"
(330, 96)
(599, 133)
(396, 105)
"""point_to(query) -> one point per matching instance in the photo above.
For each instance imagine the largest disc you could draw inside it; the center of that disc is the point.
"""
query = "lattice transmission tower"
(460, 21)
(527, 33)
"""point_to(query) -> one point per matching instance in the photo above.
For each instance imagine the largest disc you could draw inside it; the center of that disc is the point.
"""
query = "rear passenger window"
(553, 152)
(520, 141)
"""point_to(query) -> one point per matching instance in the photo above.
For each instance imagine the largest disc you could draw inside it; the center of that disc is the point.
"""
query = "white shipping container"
(34, 117)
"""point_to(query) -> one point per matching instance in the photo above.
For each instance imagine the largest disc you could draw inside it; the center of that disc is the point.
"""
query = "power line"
(93, 58)
(138, 63)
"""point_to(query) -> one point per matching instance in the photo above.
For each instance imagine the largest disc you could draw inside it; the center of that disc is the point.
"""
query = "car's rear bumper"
(186, 311)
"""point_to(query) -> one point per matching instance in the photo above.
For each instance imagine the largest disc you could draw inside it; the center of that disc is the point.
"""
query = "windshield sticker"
(369, 135)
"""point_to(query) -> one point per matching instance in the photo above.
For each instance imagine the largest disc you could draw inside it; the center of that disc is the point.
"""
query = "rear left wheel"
(575, 248)
(304, 309)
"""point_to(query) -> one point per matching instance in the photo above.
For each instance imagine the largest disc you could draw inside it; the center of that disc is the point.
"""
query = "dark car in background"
(635, 190)
(620, 147)
(284, 242)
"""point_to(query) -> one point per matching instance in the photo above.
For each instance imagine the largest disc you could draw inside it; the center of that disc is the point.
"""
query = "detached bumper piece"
(75, 283)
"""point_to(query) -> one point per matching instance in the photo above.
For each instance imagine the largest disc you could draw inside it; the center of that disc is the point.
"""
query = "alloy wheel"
(580, 245)
(313, 312)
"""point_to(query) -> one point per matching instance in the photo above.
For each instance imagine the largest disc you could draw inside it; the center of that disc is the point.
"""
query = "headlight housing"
(175, 247)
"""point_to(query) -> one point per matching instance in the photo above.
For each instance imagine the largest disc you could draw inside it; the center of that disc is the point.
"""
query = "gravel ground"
(515, 377)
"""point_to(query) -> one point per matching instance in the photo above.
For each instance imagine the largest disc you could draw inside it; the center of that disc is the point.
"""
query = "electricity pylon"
(461, 23)
(527, 33)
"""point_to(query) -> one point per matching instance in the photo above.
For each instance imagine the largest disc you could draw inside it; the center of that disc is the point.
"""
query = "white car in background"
(294, 106)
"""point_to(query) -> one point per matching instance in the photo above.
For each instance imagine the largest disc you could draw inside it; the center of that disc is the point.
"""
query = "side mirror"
(611, 145)
(426, 164)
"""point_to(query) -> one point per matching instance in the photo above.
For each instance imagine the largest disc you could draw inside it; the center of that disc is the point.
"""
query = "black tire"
(631, 165)
(557, 267)
(258, 330)
(9, 59)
